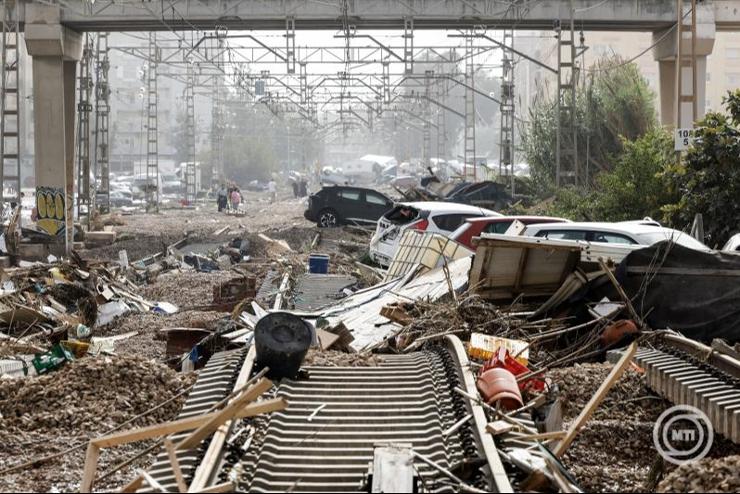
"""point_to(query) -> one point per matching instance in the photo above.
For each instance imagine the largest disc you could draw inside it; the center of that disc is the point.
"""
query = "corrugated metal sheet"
(360, 313)
(269, 288)
(314, 291)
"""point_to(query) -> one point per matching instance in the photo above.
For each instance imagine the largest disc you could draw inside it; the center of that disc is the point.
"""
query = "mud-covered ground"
(42, 416)
(614, 452)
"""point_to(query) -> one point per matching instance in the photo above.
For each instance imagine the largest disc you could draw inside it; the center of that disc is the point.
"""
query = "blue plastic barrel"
(318, 263)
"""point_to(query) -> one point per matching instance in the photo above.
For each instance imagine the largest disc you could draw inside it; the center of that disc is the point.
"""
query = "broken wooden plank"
(175, 463)
(190, 423)
(210, 459)
(224, 487)
(499, 427)
(259, 408)
(326, 339)
(345, 337)
(397, 314)
(638, 320)
(543, 436)
(91, 466)
(228, 412)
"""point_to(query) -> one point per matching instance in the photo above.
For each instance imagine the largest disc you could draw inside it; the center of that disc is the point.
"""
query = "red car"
(473, 227)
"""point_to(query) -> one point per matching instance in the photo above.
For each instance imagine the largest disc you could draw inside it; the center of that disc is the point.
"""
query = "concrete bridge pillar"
(55, 51)
(666, 53)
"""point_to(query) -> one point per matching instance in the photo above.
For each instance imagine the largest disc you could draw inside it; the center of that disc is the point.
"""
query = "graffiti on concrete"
(50, 209)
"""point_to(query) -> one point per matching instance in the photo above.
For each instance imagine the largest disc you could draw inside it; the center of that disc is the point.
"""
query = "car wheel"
(328, 219)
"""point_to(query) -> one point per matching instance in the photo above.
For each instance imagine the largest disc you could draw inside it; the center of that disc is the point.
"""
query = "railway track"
(324, 440)
(215, 381)
(689, 373)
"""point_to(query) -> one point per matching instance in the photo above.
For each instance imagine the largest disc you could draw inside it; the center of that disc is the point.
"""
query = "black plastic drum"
(282, 341)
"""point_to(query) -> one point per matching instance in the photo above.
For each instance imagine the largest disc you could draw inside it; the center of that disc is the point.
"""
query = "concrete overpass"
(145, 15)
(53, 38)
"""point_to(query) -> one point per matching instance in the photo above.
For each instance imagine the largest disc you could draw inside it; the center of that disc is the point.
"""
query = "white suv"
(645, 232)
(435, 217)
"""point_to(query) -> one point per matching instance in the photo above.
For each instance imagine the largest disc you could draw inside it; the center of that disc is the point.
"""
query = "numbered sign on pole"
(684, 138)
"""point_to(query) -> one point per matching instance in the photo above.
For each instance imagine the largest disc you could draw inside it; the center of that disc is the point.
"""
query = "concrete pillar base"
(55, 51)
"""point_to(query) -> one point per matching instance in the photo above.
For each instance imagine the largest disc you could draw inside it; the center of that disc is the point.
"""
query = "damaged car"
(434, 217)
(474, 227)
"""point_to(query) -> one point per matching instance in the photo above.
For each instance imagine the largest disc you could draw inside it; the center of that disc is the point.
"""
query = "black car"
(338, 205)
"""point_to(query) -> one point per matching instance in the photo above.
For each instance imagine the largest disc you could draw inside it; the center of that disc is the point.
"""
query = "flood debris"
(508, 267)
(423, 251)
(710, 474)
(228, 294)
(701, 285)
(487, 194)
(54, 299)
(537, 344)
(90, 395)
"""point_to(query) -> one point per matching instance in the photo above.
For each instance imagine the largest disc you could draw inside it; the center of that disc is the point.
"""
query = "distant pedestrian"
(222, 198)
(272, 189)
(236, 199)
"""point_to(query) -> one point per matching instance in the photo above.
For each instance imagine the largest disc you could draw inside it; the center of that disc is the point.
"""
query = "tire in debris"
(328, 218)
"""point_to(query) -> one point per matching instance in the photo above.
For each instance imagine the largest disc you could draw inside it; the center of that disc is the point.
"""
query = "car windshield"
(679, 237)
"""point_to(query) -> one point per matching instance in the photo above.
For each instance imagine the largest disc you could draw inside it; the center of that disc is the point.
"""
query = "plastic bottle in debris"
(83, 332)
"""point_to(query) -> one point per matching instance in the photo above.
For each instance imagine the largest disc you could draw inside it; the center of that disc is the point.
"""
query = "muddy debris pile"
(543, 351)
(629, 399)
(92, 395)
(186, 289)
(333, 358)
(707, 475)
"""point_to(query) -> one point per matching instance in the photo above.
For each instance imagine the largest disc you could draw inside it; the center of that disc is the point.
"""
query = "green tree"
(249, 142)
(248, 158)
(617, 104)
(708, 179)
(637, 186)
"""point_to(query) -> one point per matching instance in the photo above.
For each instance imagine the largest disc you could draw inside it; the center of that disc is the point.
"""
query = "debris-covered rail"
(324, 440)
(689, 373)
(215, 381)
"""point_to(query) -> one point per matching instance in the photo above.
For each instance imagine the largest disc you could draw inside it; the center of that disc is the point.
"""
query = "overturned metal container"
(282, 340)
